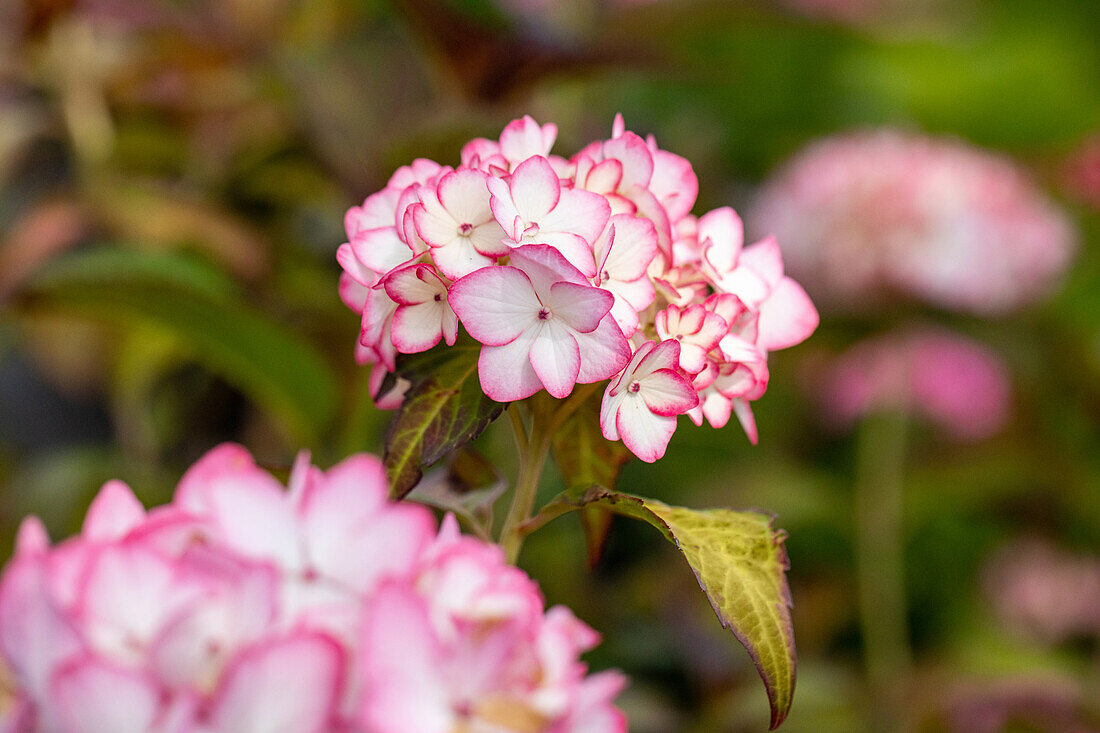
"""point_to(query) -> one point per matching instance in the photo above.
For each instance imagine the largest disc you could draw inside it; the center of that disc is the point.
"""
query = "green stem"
(534, 447)
(880, 565)
(533, 450)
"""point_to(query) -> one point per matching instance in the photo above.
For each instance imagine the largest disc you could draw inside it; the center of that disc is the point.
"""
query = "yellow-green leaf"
(739, 560)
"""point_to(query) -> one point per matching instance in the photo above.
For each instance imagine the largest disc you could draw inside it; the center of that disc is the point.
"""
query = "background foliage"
(173, 178)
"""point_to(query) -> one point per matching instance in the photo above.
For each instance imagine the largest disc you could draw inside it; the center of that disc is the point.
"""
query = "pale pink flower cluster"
(957, 384)
(242, 607)
(1046, 592)
(573, 272)
(872, 214)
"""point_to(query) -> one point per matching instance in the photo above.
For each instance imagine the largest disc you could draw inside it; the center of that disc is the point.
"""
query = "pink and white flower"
(553, 264)
(641, 404)
(242, 607)
(521, 139)
(533, 208)
(423, 315)
(542, 325)
(455, 219)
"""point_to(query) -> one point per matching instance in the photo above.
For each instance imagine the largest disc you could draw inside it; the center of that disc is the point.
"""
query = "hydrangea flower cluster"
(955, 383)
(875, 213)
(574, 271)
(241, 607)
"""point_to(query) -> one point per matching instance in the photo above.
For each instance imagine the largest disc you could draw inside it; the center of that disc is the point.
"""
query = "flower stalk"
(880, 563)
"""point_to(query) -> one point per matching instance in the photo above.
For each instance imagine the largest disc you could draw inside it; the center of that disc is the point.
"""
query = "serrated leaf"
(740, 563)
(195, 303)
(444, 408)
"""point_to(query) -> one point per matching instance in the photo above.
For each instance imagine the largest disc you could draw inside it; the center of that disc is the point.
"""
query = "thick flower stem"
(880, 565)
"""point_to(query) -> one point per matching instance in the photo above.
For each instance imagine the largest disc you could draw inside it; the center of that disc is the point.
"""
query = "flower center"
(635, 386)
(438, 297)
(465, 229)
(544, 313)
(606, 276)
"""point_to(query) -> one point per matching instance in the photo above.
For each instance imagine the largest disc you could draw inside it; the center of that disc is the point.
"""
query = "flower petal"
(556, 357)
(534, 188)
(465, 196)
(787, 317)
(495, 304)
(644, 433)
(505, 371)
(288, 685)
(581, 307)
(94, 697)
(580, 212)
(667, 393)
(114, 512)
(604, 352)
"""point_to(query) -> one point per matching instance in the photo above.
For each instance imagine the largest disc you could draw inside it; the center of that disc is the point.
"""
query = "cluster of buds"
(574, 272)
(885, 213)
(242, 607)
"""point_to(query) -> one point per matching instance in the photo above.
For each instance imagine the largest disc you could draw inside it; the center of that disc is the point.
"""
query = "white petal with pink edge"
(495, 304)
(505, 372)
(556, 358)
(94, 697)
(287, 685)
(787, 317)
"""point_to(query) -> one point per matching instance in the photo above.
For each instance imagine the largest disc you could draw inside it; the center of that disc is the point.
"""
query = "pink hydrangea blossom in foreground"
(874, 214)
(244, 607)
(952, 381)
(564, 269)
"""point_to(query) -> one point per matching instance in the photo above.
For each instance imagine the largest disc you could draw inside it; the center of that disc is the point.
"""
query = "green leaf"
(740, 563)
(444, 408)
(196, 305)
(468, 487)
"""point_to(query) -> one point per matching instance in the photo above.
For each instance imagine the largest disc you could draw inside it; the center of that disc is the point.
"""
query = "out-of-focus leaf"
(468, 487)
(739, 560)
(170, 219)
(270, 363)
(444, 408)
(584, 457)
(587, 459)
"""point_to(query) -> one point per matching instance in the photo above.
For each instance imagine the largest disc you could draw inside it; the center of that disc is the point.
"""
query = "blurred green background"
(173, 179)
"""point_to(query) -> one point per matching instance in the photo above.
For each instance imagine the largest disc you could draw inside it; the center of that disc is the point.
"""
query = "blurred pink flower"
(1081, 173)
(242, 607)
(1044, 592)
(954, 382)
(871, 214)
